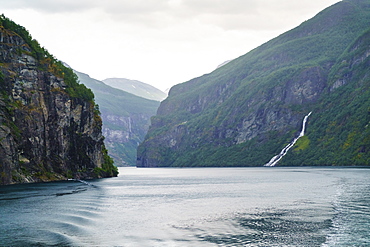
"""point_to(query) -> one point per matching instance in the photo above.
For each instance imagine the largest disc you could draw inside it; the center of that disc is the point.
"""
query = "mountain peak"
(137, 88)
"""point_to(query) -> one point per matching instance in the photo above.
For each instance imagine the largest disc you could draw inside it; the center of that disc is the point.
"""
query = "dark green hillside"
(339, 132)
(126, 119)
(246, 111)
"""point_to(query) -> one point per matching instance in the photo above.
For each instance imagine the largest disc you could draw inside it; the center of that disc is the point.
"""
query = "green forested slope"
(245, 112)
(339, 132)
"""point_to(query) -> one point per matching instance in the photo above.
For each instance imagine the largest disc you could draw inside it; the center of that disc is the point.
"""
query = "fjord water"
(193, 207)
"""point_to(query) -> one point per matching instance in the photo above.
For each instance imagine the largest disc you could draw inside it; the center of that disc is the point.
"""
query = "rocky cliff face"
(246, 111)
(46, 132)
(123, 134)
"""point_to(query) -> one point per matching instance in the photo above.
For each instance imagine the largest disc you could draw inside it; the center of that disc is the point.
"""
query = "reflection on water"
(193, 207)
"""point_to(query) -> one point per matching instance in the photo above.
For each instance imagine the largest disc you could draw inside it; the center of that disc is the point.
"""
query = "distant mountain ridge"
(126, 118)
(245, 112)
(137, 88)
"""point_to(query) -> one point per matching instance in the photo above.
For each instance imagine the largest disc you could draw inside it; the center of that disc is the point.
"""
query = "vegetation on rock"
(50, 128)
(246, 111)
(48, 62)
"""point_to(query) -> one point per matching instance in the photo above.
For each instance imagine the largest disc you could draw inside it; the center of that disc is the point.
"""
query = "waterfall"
(285, 150)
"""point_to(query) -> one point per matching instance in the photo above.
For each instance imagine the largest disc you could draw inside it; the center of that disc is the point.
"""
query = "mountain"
(137, 88)
(50, 128)
(245, 112)
(126, 119)
(224, 63)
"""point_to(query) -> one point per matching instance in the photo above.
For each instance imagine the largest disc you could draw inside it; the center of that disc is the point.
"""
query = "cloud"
(250, 14)
(55, 6)
(113, 7)
(221, 7)
(161, 42)
(227, 15)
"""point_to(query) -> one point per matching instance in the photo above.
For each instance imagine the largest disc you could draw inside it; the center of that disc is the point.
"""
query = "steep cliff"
(126, 119)
(246, 111)
(49, 127)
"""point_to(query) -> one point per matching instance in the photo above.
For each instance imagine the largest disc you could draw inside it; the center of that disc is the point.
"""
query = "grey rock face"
(45, 134)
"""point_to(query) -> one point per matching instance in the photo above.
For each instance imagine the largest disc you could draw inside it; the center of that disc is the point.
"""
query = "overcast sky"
(159, 42)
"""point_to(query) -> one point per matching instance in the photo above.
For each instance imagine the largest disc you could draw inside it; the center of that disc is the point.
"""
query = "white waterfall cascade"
(285, 150)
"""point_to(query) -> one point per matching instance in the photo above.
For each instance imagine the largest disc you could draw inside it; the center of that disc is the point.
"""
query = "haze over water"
(193, 207)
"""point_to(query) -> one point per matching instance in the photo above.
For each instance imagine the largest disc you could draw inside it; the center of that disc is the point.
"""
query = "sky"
(159, 42)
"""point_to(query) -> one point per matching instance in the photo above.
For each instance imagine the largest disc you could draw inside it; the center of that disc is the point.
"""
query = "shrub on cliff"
(49, 62)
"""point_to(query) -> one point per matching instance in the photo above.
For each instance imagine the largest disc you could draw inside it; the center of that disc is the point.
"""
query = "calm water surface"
(193, 207)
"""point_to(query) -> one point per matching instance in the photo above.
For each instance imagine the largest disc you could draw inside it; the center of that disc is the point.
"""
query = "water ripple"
(270, 228)
(193, 207)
